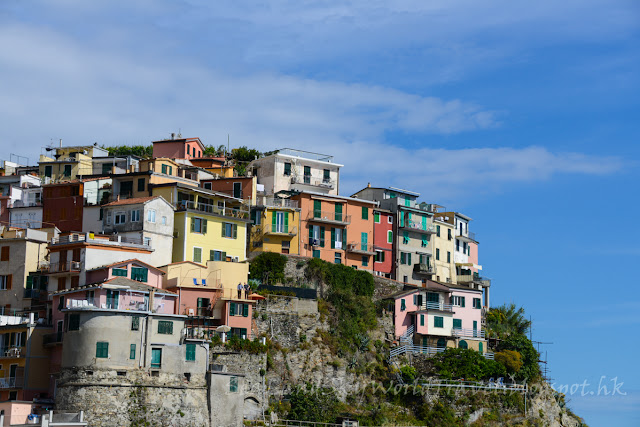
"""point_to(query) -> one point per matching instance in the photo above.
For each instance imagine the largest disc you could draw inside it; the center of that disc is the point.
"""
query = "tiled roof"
(132, 260)
(118, 281)
(133, 201)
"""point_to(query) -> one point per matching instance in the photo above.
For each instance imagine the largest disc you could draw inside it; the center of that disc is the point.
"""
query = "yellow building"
(443, 249)
(275, 226)
(207, 225)
(67, 163)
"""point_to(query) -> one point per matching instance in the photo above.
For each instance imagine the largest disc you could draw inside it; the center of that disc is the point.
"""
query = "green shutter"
(376, 217)
(322, 237)
(245, 310)
(191, 352)
(403, 306)
(438, 322)
(317, 209)
(422, 320)
(224, 229)
(462, 304)
(409, 258)
(286, 222)
(338, 212)
(365, 212)
(333, 238)
(438, 230)
(204, 226)
(457, 323)
(401, 219)
(425, 242)
(310, 234)
(132, 351)
(424, 222)
(364, 237)
(273, 221)
(235, 231)
(193, 225)
(407, 202)
(232, 309)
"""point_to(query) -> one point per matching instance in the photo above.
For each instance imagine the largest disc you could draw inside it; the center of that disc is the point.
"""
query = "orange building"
(336, 229)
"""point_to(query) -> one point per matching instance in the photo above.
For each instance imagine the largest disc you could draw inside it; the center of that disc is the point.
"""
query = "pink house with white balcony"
(437, 316)
(133, 269)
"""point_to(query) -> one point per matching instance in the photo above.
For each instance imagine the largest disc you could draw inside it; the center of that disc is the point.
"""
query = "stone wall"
(109, 399)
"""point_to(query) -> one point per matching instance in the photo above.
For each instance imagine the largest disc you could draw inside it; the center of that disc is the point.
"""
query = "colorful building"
(383, 223)
(216, 165)
(178, 148)
(336, 229)
(295, 170)
(242, 187)
(444, 246)
(275, 226)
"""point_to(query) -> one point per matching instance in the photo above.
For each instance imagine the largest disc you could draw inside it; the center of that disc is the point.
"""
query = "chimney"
(173, 135)
(368, 185)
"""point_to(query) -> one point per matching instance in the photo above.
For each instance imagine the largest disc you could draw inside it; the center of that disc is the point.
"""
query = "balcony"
(468, 333)
(314, 182)
(110, 304)
(328, 217)
(11, 382)
(306, 155)
(115, 240)
(427, 269)
(474, 278)
(432, 305)
(60, 267)
(12, 351)
(275, 202)
(279, 230)
(236, 213)
(34, 294)
(52, 339)
(360, 248)
(418, 226)
(467, 236)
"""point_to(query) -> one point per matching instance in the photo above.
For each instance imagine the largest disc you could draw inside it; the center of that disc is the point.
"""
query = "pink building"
(383, 242)
(437, 316)
(131, 269)
(178, 148)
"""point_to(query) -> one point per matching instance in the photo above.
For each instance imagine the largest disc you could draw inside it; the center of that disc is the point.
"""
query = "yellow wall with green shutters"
(211, 240)
(273, 242)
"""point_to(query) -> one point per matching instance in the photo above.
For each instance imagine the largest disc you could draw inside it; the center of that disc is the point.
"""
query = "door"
(156, 358)
(480, 348)
(203, 305)
(307, 174)
(442, 343)
(237, 190)
(475, 328)
(112, 299)
(126, 189)
(364, 237)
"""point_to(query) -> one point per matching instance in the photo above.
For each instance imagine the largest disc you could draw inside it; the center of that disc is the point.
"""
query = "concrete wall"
(227, 407)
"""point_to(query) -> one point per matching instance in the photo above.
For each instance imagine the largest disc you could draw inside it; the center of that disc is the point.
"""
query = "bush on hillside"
(268, 267)
(512, 360)
(314, 404)
(530, 370)
(456, 363)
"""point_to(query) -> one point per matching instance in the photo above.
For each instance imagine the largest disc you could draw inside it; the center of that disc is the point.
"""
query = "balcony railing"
(12, 351)
(110, 304)
(315, 182)
(418, 226)
(34, 293)
(424, 269)
(52, 339)
(468, 234)
(431, 305)
(473, 278)
(102, 239)
(360, 248)
(11, 382)
(242, 213)
(279, 229)
(276, 202)
(60, 267)
(468, 333)
(329, 217)
(305, 154)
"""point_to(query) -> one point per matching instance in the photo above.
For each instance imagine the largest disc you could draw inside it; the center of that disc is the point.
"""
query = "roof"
(118, 281)
(333, 196)
(132, 260)
(410, 289)
(182, 140)
(133, 201)
(394, 189)
(184, 262)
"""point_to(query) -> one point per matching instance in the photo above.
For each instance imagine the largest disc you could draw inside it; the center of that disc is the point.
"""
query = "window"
(376, 217)
(285, 246)
(198, 225)
(233, 384)
(422, 320)
(102, 349)
(5, 282)
(389, 236)
(135, 323)
(135, 215)
(438, 322)
(132, 351)
(119, 272)
(140, 184)
(67, 170)
(390, 219)
(457, 301)
(191, 352)
(197, 254)
(151, 216)
(163, 221)
(139, 274)
(4, 253)
(425, 241)
(165, 327)
(147, 241)
(48, 170)
(316, 253)
(338, 258)
(448, 234)
(326, 177)
(365, 261)
(217, 255)
(477, 303)
(237, 190)
(307, 174)
(287, 169)
(457, 245)
(403, 305)
(379, 256)
(120, 218)
(457, 323)
(464, 247)
(74, 322)
(317, 209)
(438, 230)
(156, 358)
(229, 230)
(448, 256)
(405, 237)
(365, 212)
(438, 254)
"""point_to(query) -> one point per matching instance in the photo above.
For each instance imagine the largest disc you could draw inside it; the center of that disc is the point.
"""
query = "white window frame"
(389, 219)
(119, 215)
(151, 216)
(135, 215)
(163, 221)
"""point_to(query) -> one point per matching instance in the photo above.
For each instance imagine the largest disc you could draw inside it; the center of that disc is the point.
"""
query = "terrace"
(329, 217)
(360, 248)
(231, 212)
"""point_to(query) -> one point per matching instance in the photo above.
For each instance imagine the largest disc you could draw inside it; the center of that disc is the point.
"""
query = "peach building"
(178, 148)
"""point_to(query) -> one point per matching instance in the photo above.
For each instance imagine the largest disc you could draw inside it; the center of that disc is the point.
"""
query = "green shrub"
(269, 266)
(455, 363)
(530, 369)
(408, 373)
(314, 404)
(511, 359)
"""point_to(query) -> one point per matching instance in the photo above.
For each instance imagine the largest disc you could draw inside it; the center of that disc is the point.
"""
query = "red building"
(383, 242)
(178, 148)
(63, 204)
(242, 187)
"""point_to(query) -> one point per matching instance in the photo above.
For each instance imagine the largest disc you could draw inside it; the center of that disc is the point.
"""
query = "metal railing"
(276, 202)
(54, 338)
(11, 351)
(469, 333)
(425, 268)
(328, 216)
(61, 267)
(316, 182)
(407, 335)
(432, 305)
(419, 349)
(306, 154)
(359, 247)
(233, 212)
(282, 229)
(418, 226)
(110, 304)
(473, 277)
(11, 382)
(469, 234)
(101, 239)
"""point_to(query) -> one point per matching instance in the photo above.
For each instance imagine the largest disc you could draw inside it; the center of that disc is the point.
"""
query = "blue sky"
(523, 115)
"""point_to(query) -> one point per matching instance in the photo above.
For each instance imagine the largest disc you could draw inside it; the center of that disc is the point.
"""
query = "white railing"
(279, 203)
(406, 337)
(276, 229)
(419, 349)
(100, 239)
(110, 304)
(316, 182)
(430, 305)
(239, 212)
(469, 333)
(413, 225)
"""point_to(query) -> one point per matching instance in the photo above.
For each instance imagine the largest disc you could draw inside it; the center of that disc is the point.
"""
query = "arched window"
(442, 343)
(463, 344)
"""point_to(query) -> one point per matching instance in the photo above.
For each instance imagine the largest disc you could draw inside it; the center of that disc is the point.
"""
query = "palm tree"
(507, 320)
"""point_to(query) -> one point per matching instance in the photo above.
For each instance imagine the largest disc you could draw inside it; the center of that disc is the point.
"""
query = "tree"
(242, 157)
(144, 151)
(268, 262)
(507, 320)
(314, 404)
(530, 370)
(511, 359)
